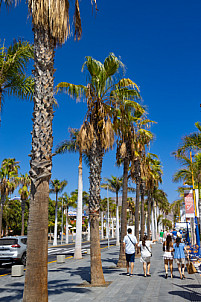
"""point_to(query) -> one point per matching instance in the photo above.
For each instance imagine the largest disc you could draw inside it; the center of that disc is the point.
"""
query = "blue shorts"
(130, 257)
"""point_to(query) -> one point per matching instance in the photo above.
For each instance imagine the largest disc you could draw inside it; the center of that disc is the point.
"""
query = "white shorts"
(145, 259)
(168, 256)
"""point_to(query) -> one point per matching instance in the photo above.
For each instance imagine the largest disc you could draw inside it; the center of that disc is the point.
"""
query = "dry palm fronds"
(85, 137)
(123, 150)
(52, 15)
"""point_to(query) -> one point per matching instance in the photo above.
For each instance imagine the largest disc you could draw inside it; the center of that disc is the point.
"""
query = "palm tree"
(114, 184)
(13, 79)
(25, 182)
(50, 19)
(96, 136)
(69, 201)
(72, 145)
(153, 177)
(175, 207)
(127, 113)
(8, 175)
(57, 187)
(143, 138)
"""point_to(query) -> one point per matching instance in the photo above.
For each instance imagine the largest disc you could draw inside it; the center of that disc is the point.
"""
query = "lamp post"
(195, 207)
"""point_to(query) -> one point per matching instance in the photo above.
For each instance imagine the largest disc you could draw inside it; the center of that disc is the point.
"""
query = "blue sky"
(160, 44)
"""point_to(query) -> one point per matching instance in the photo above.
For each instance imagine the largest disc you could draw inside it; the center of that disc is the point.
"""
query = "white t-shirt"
(130, 247)
(144, 251)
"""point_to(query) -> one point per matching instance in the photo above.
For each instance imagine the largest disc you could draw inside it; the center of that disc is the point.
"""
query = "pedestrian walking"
(174, 234)
(145, 248)
(129, 244)
(168, 255)
(161, 236)
(179, 256)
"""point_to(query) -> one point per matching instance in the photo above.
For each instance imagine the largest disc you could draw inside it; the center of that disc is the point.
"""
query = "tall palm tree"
(126, 113)
(143, 138)
(175, 207)
(50, 19)
(25, 182)
(13, 79)
(8, 183)
(72, 145)
(114, 184)
(57, 187)
(153, 178)
(97, 136)
(68, 201)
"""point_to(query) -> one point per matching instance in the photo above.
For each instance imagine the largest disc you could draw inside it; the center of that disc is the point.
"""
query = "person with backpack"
(129, 244)
(145, 248)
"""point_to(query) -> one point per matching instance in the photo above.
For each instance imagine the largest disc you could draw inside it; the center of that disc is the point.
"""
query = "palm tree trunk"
(137, 209)
(142, 227)
(78, 238)
(149, 217)
(117, 220)
(137, 201)
(152, 223)
(3, 199)
(67, 227)
(95, 159)
(112, 226)
(23, 210)
(122, 256)
(55, 224)
(35, 288)
(155, 221)
(102, 230)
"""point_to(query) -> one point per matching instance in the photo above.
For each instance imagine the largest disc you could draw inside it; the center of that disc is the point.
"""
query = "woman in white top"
(145, 247)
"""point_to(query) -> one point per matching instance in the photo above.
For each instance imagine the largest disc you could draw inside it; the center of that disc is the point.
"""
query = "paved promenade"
(64, 281)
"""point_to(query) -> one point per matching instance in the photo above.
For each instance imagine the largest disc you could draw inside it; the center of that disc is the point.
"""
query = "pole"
(196, 220)
(108, 209)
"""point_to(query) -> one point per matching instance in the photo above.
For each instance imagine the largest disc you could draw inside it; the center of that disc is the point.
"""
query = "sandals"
(148, 275)
(127, 274)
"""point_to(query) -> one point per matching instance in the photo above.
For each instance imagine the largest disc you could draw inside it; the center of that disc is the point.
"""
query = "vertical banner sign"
(189, 204)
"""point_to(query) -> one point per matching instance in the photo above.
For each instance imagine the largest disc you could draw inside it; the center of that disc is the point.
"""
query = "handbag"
(191, 268)
(149, 250)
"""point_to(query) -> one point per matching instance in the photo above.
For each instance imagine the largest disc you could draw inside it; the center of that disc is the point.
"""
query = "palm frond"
(74, 91)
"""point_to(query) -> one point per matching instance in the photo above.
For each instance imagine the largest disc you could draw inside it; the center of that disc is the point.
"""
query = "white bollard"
(60, 258)
(17, 271)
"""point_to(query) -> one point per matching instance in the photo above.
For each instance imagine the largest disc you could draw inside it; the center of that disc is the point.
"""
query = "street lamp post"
(195, 207)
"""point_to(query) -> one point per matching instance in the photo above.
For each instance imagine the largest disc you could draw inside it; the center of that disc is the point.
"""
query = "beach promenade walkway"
(65, 280)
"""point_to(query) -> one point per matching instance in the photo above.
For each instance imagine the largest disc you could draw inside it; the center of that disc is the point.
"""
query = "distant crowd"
(173, 243)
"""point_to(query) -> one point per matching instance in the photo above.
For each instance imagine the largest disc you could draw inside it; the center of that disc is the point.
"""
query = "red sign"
(189, 204)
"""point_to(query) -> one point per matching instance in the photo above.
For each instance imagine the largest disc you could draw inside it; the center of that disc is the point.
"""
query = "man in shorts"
(161, 236)
(129, 244)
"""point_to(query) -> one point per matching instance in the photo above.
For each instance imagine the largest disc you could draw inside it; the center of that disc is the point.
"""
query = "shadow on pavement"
(16, 294)
(190, 296)
(61, 286)
(187, 293)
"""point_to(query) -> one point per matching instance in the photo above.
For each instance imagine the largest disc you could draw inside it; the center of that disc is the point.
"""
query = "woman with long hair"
(179, 256)
(168, 255)
(145, 247)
